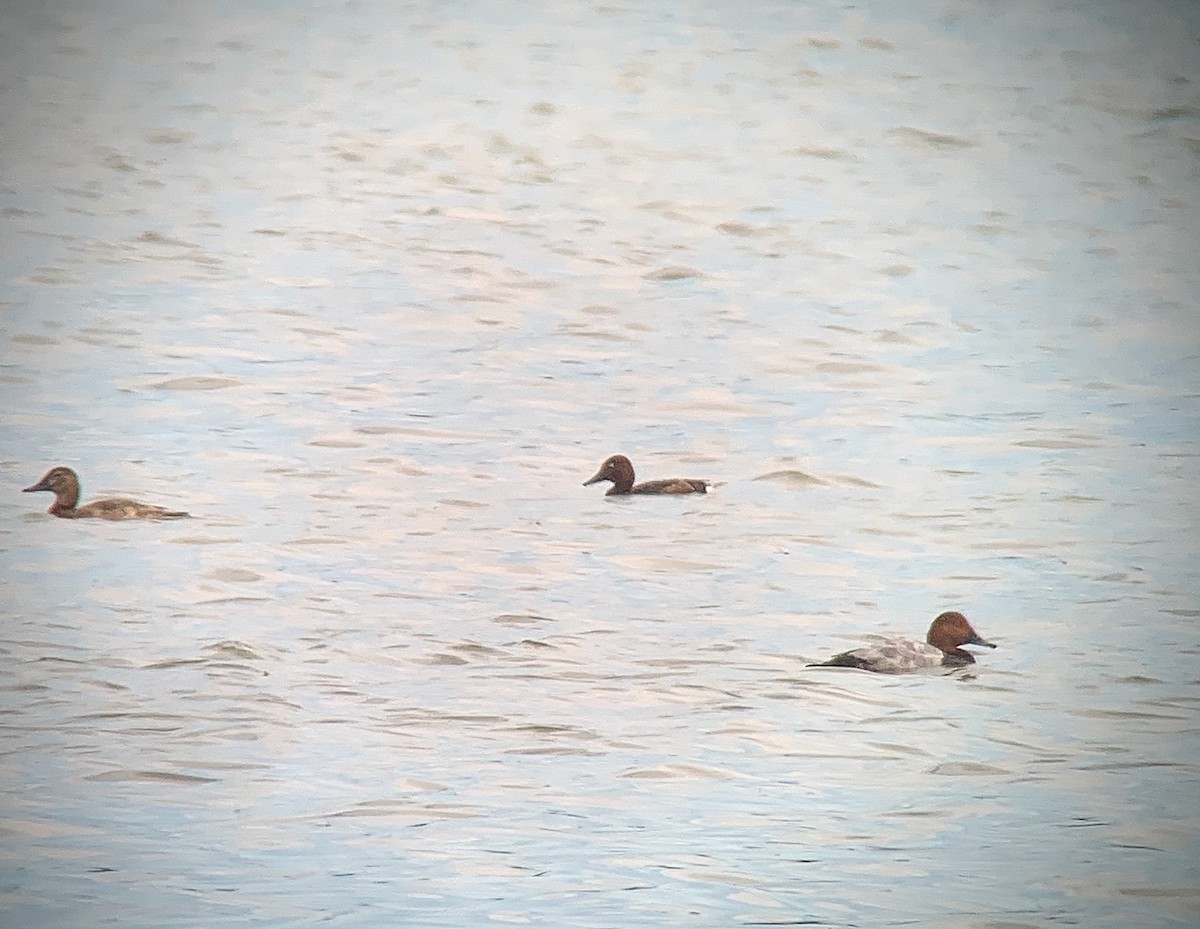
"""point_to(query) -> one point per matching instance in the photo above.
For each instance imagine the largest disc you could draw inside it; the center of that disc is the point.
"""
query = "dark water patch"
(674, 771)
(1061, 443)
(750, 231)
(821, 152)
(168, 777)
(792, 478)
(934, 140)
(234, 576)
(968, 769)
(443, 659)
(476, 649)
(27, 339)
(199, 382)
(674, 273)
(524, 619)
(231, 648)
(588, 331)
(224, 601)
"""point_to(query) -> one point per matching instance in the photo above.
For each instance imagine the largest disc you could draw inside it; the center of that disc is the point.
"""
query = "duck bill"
(595, 478)
(40, 485)
(977, 639)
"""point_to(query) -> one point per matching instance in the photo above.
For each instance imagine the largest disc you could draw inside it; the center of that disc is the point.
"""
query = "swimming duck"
(894, 656)
(64, 484)
(619, 470)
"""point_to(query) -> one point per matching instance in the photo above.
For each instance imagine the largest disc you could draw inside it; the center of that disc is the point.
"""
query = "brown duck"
(619, 470)
(64, 484)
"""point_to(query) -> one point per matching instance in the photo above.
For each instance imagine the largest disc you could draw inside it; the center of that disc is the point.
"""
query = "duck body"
(941, 648)
(64, 484)
(619, 470)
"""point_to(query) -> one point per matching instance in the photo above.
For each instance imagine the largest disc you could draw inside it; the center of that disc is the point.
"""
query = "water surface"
(371, 289)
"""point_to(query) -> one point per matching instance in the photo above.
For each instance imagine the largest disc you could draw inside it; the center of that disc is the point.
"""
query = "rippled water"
(371, 289)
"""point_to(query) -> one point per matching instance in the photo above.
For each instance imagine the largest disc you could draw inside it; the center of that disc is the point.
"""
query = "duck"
(64, 484)
(941, 648)
(619, 470)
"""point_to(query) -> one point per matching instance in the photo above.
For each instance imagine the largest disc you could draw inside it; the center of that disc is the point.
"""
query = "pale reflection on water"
(371, 291)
